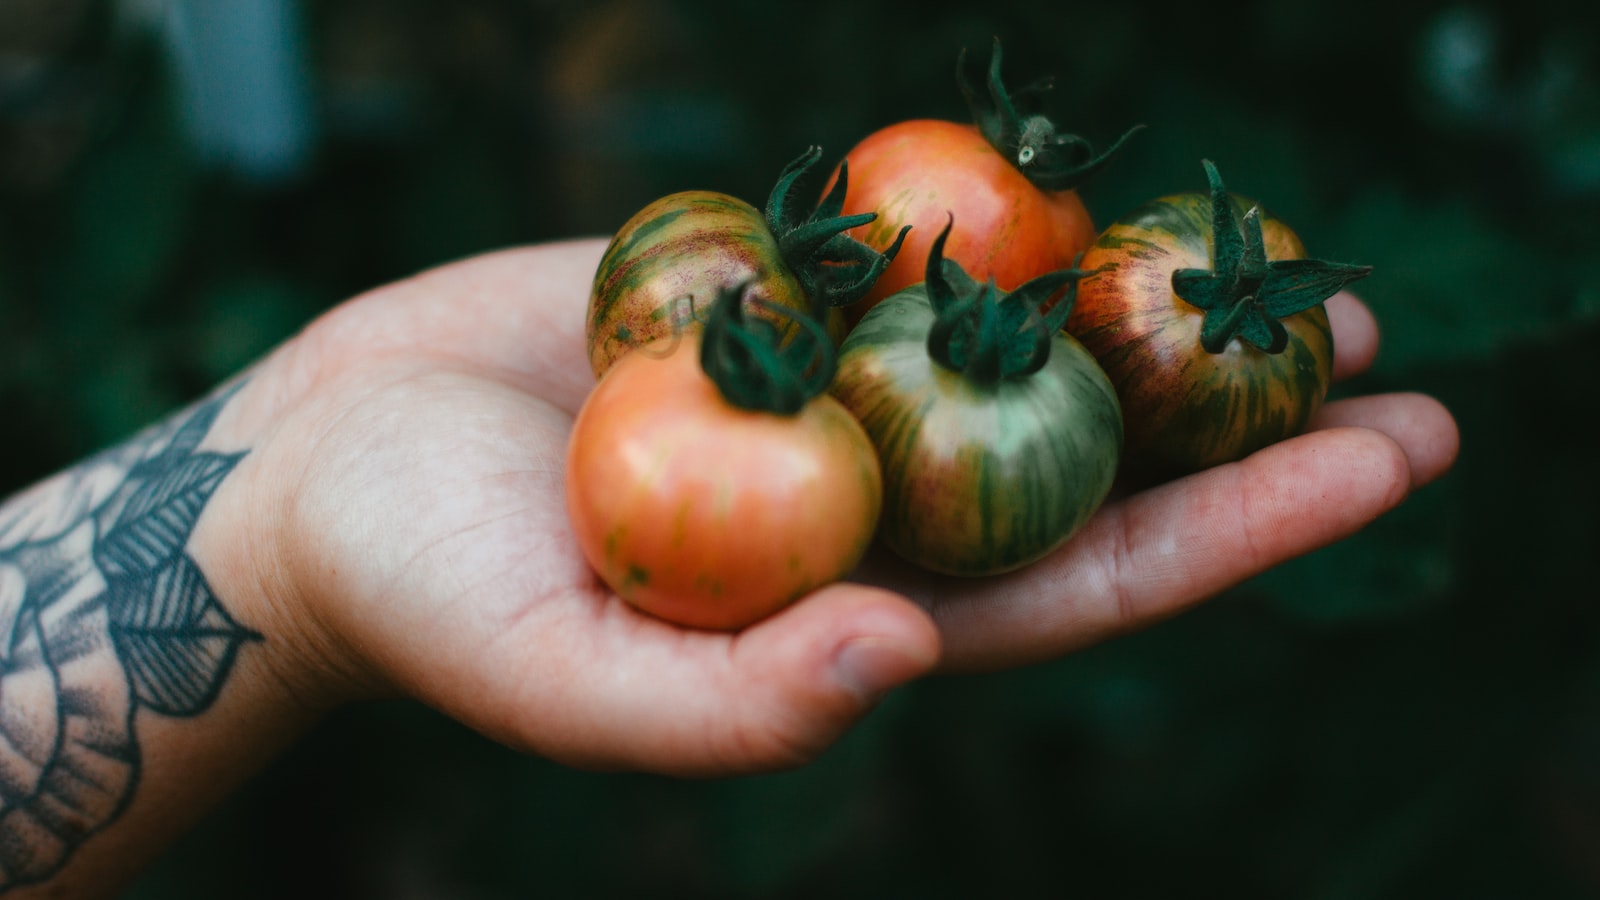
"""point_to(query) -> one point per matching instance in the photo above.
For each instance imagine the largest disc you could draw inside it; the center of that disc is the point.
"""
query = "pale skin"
(396, 528)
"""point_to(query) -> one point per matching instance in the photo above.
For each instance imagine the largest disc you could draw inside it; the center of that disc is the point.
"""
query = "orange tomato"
(708, 515)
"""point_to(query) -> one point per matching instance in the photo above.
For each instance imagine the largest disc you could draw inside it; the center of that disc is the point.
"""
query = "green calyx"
(1244, 295)
(1051, 160)
(751, 365)
(988, 334)
(833, 268)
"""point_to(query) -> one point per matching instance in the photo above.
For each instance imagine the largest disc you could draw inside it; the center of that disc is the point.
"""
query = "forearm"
(144, 671)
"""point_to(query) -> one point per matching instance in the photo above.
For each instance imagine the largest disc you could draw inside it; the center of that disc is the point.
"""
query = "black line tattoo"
(102, 612)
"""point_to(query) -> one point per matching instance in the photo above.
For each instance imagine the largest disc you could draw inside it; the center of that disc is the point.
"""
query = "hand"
(1155, 553)
(407, 450)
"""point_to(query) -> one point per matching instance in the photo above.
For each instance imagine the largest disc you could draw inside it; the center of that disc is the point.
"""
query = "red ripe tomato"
(915, 173)
(1009, 180)
(708, 514)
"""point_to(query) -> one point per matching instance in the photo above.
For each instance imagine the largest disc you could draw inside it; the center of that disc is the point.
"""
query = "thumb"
(771, 697)
(822, 664)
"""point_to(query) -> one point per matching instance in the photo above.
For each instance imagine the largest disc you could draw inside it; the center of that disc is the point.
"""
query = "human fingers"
(1355, 335)
(1157, 552)
(622, 691)
(1421, 425)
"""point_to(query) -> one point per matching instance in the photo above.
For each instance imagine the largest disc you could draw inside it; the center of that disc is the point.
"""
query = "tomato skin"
(977, 479)
(922, 171)
(707, 515)
(669, 260)
(1185, 408)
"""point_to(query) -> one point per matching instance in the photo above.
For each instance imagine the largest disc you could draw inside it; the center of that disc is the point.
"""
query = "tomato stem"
(1243, 294)
(751, 366)
(988, 334)
(1051, 159)
(833, 269)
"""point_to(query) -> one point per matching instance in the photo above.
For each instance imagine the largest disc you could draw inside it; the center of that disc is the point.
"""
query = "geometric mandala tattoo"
(102, 612)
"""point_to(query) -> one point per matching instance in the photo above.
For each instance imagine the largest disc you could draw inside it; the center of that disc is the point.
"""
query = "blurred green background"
(1412, 713)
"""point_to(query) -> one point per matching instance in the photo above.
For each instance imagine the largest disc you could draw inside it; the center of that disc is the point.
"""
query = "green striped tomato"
(1187, 407)
(668, 261)
(979, 478)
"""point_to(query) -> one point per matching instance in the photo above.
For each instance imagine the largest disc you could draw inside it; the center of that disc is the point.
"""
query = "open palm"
(416, 437)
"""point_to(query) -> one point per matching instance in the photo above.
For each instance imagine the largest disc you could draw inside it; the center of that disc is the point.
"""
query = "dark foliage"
(1412, 713)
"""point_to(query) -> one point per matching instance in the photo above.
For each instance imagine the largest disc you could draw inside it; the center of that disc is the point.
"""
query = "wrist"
(146, 671)
(253, 547)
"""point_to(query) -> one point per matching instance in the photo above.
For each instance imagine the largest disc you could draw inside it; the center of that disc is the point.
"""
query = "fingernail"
(870, 667)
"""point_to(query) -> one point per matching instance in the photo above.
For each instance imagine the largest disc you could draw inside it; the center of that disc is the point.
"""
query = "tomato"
(1205, 313)
(998, 434)
(666, 263)
(703, 512)
(1008, 179)
(912, 172)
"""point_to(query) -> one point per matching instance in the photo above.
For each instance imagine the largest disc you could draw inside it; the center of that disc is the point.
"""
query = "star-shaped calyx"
(1243, 294)
(988, 334)
(751, 363)
(1052, 160)
(833, 268)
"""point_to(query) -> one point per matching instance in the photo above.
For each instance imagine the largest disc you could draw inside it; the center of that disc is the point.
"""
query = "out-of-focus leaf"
(124, 392)
(127, 219)
(243, 319)
(1449, 286)
(1259, 155)
(462, 200)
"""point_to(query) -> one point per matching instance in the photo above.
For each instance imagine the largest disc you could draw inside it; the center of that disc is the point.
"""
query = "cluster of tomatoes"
(945, 355)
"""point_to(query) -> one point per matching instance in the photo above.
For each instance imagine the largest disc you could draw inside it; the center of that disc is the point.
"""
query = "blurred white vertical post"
(244, 79)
